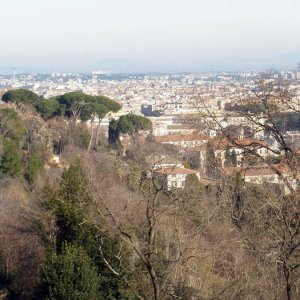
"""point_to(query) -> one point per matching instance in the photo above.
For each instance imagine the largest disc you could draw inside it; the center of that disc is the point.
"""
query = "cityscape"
(149, 150)
(190, 133)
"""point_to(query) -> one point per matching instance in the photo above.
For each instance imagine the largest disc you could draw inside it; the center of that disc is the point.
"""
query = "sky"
(141, 35)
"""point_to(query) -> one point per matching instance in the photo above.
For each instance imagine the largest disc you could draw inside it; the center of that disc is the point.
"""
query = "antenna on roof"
(14, 71)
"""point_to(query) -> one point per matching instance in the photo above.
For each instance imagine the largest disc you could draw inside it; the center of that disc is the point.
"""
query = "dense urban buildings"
(189, 179)
(188, 111)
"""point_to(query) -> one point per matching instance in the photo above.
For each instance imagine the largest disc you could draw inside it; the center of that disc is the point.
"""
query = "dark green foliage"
(287, 121)
(11, 126)
(113, 132)
(73, 227)
(233, 158)
(252, 159)
(191, 181)
(193, 160)
(236, 184)
(74, 103)
(272, 160)
(227, 158)
(35, 165)
(80, 136)
(73, 98)
(183, 291)
(99, 106)
(211, 163)
(87, 107)
(132, 123)
(108, 103)
(230, 158)
(20, 96)
(129, 124)
(88, 111)
(75, 187)
(71, 206)
(94, 109)
(187, 164)
(70, 275)
(11, 160)
(49, 108)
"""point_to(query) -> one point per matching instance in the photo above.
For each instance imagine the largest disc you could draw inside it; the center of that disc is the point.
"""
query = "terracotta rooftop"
(181, 137)
(246, 142)
(264, 170)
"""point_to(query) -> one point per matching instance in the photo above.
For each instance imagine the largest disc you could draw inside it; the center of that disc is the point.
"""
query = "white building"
(174, 177)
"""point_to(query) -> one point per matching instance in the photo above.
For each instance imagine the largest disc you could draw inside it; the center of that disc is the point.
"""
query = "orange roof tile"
(181, 137)
(224, 143)
(256, 170)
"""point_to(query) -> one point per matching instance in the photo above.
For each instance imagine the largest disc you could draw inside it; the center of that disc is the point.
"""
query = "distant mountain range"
(121, 65)
(284, 61)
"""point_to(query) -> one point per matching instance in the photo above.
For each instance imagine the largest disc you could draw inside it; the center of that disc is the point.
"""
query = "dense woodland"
(98, 225)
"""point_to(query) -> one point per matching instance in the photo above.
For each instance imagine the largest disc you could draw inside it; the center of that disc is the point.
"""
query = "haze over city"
(149, 149)
(154, 36)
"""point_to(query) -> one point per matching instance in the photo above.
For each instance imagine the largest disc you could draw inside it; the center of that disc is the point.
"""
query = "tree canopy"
(19, 96)
(70, 205)
(72, 104)
(49, 108)
(70, 275)
(99, 106)
(11, 126)
(12, 131)
(129, 124)
(11, 160)
(132, 123)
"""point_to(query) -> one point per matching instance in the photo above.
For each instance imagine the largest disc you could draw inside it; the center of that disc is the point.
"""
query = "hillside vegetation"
(99, 225)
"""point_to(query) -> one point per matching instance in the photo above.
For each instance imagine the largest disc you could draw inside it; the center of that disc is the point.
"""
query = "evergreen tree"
(129, 124)
(113, 132)
(11, 161)
(70, 205)
(70, 275)
(21, 96)
(211, 162)
(49, 108)
(11, 126)
(228, 162)
(35, 165)
(233, 158)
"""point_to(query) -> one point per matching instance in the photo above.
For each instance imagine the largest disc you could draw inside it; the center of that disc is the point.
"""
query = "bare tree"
(263, 109)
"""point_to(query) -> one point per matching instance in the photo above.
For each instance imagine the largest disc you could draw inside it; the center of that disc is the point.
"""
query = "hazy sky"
(78, 34)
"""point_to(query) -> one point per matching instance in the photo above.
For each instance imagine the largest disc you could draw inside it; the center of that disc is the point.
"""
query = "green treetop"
(20, 96)
(49, 108)
(129, 124)
(11, 126)
(70, 275)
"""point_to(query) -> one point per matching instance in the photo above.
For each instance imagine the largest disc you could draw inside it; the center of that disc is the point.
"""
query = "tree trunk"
(97, 131)
(151, 216)
(91, 138)
(155, 283)
(288, 287)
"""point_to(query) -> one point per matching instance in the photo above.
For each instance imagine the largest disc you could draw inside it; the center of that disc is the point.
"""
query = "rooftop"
(181, 137)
